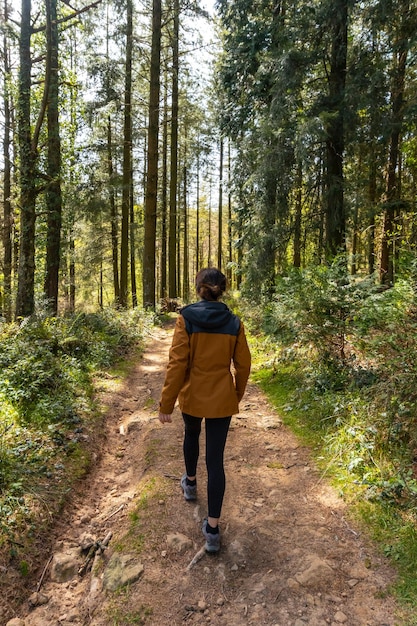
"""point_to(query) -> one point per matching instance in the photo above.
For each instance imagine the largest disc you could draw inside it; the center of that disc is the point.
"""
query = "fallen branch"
(96, 549)
(196, 558)
(121, 507)
(39, 585)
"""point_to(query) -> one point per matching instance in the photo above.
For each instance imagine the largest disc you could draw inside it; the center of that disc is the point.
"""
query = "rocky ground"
(289, 557)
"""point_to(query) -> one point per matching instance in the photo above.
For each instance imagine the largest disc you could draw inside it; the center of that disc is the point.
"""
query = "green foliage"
(46, 403)
(317, 306)
(354, 406)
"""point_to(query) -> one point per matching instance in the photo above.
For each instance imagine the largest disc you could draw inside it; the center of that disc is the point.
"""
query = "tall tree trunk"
(197, 226)
(298, 216)
(392, 192)
(113, 213)
(7, 187)
(172, 270)
(179, 221)
(372, 186)
(209, 228)
(268, 248)
(355, 239)
(72, 271)
(220, 210)
(71, 219)
(229, 273)
(164, 197)
(133, 246)
(127, 158)
(25, 301)
(111, 179)
(53, 193)
(335, 140)
(149, 251)
(186, 258)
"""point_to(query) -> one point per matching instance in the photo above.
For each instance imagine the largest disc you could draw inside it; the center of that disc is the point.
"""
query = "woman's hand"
(165, 417)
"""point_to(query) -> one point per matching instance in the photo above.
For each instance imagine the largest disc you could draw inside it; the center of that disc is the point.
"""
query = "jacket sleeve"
(241, 362)
(177, 368)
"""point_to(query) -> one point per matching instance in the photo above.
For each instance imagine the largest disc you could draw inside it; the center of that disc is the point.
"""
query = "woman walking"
(208, 339)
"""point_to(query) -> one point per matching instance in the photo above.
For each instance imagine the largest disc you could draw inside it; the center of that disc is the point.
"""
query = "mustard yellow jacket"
(208, 339)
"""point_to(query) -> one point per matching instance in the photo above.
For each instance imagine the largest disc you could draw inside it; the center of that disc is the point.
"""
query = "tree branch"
(67, 18)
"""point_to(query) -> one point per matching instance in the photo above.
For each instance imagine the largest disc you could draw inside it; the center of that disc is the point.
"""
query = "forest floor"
(290, 554)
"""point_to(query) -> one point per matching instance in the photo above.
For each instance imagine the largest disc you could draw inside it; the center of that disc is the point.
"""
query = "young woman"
(208, 339)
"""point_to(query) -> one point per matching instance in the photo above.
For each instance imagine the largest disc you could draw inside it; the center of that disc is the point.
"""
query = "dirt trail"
(289, 557)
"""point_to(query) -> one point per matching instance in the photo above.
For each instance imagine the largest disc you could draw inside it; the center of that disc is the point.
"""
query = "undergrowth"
(47, 411)
(336, 356)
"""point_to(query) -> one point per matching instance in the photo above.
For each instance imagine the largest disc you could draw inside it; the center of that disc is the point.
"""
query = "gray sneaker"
(190, 491)
(212, 541)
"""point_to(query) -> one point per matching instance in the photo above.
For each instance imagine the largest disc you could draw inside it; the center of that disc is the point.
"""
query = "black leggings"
(216, 435)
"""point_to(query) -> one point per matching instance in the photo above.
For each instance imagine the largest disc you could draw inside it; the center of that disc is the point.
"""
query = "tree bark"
(335, 140)
(113, 213)
(186, 257)
(392, 192)
(298, 217)
(127, 159)
(220, 209)
(7, 187)
(149, 252)
(28, 156)
(172, 261)
(164, 197)
(53, 192)
(229, 272)
(197, 226)
(132, 231)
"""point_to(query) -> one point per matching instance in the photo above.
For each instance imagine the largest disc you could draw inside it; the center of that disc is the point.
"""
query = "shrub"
(46, 369)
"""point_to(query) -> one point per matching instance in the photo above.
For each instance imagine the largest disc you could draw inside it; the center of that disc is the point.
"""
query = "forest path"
(289, 556)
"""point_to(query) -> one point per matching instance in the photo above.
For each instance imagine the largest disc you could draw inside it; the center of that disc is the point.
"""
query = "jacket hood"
(208, 315)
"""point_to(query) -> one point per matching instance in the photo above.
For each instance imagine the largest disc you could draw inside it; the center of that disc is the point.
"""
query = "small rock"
(16, 621)
(316, 573)
(353, 582)
(179, 542)
(359, 571)
(293, 584)
(234, 567)
(38, 599)
(202, 606)
(340, 617)
(65, 565)
(220, 601)
(86, 540)
(121, 570)
(334, 599)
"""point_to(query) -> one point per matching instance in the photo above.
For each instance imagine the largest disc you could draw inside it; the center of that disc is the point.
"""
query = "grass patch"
(349, 446)
(284, 387)
(336, 356)
(144, 518)
(397, 537)
(118, 615)
(50, 369)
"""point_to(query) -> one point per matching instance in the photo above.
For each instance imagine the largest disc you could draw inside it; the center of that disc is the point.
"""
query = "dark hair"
(210, 283)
